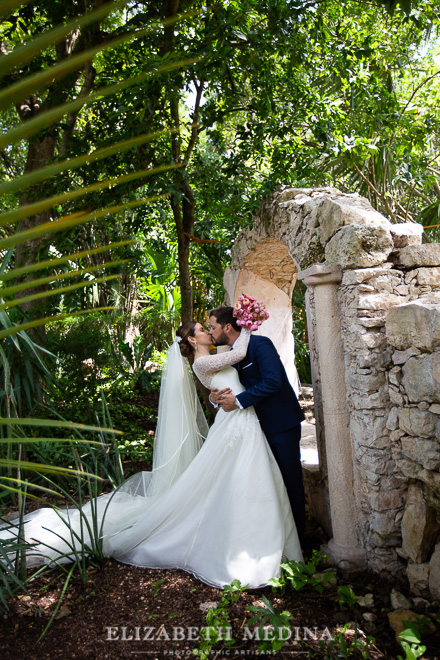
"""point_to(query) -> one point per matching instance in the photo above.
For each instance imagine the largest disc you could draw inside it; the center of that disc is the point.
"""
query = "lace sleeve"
(205, 367)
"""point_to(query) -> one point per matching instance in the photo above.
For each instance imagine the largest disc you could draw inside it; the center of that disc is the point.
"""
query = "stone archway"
(369, 284)
(269, 273)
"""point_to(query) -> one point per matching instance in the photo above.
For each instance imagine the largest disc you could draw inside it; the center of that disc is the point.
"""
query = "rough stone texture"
(400, 357)
(399, 601)
(347, 210)
(387, 364)
(417, 422)
(359, 246)
(421, 378)
(418, 576)
(419, 526)
(419, 255)
(407, 233)
(426, 452)
(428, 276)
(379, 301)
(415, 324)
(434, 573)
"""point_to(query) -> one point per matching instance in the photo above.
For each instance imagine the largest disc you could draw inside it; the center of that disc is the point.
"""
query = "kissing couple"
(218, 502)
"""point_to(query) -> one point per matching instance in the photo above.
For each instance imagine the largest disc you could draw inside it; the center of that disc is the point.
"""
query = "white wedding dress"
(219, 511)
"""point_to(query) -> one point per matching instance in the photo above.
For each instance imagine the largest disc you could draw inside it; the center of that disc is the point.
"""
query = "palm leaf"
(48, 118)
(8, 6)
(43, 265)
(46, 469)
(29, 210)
(59, 424)
(56, 292)
(69, 221)
(21, 89)
(22, 327)
(31, 178)
(22, 54)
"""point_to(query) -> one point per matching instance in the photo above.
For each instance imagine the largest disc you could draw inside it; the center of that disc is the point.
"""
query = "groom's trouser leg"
(285, 448)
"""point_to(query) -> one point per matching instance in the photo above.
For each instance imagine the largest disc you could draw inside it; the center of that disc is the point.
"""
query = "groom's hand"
(216, 395)
(227, 402)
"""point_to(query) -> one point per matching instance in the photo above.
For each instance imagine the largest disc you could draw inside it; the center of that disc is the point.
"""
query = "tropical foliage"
(136, 139)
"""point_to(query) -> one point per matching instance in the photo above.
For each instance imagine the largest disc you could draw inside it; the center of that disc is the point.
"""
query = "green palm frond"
(43, 174)
(49, 117)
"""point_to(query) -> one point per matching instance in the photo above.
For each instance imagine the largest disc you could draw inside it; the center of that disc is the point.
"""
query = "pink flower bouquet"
(249, 312)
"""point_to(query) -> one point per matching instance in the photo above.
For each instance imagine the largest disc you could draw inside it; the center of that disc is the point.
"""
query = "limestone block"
(413, 470)
(387, 281)
(414, 323)
(357, 246)
(400, 357)
(367, 384)
(347, 210)
(399, 601)
(406, 233)
(421, 378)
(417, 422)
(419, 526)
(395, 376)
(379, 461)
(434, 573)
(428, 276)
(370, 401)
(410, 276)
(363, 339)
(378, 301)
(354, 277)
(419, 255)
(418, 576)
(383, 524)
(368, 429)
(395, 396)
(375, 322)
(422, 450)
(384, 500)
(367, 359)
(385, 559)
(393, 419)
(366, 601)
(305, 194)
(435, 408)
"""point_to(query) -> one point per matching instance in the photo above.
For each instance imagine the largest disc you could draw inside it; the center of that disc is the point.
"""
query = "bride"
(217, 509)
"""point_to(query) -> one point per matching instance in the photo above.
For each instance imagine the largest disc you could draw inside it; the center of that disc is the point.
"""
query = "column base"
(345, 557)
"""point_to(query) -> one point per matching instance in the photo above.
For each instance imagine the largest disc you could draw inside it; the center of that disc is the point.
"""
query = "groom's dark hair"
(224, 315)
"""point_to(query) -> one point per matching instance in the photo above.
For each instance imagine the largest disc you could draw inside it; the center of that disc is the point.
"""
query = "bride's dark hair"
(186, 330)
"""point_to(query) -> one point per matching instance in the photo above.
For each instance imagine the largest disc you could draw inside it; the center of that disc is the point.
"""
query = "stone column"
(343, 548)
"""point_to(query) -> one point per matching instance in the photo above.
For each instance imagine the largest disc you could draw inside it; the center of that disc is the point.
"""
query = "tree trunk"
(184, 218)
(40, 153)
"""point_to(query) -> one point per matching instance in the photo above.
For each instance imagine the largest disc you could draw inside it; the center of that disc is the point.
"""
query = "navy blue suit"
(269, 391)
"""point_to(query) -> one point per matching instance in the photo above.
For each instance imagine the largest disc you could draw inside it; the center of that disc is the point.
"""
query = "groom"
(269, 391)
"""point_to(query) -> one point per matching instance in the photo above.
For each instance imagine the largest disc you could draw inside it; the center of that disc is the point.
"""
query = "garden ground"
(124, 611)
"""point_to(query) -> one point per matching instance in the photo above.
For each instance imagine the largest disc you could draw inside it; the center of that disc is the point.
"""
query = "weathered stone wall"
(388, 296)
(413, 330)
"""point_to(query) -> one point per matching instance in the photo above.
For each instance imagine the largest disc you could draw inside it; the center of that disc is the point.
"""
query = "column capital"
(321, 274)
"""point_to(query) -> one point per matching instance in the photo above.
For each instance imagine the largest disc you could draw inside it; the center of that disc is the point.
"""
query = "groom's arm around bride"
(269, 391)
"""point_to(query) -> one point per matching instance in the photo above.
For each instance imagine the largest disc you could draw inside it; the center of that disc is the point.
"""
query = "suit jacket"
(267, 387)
